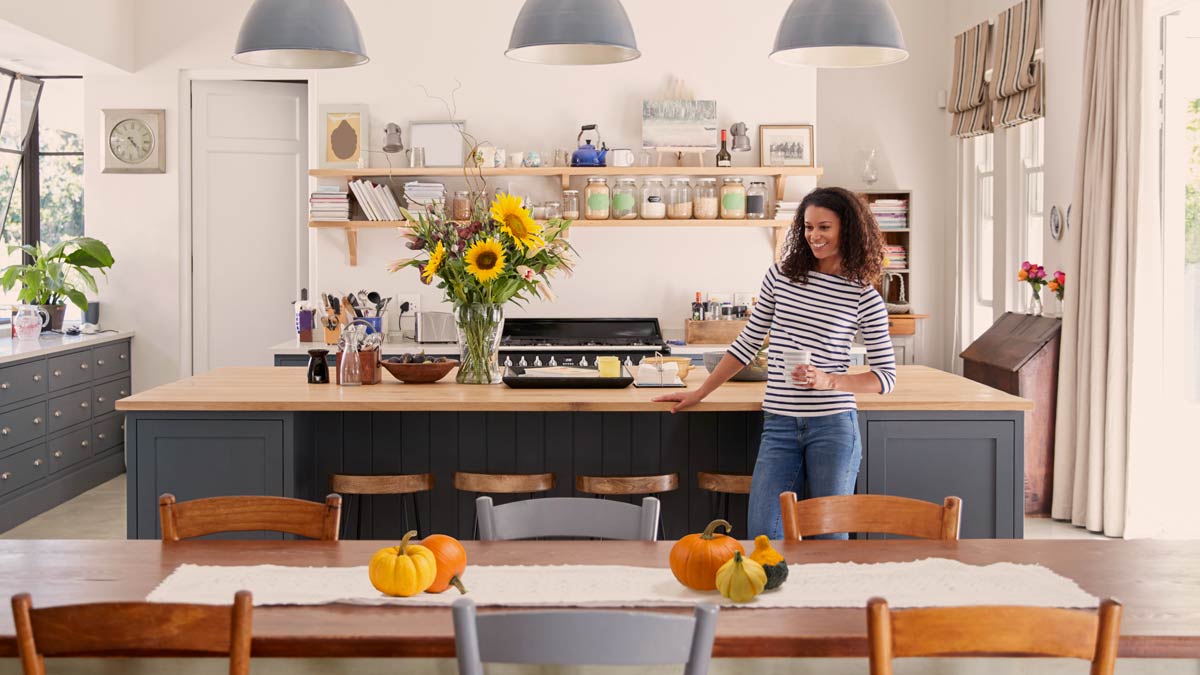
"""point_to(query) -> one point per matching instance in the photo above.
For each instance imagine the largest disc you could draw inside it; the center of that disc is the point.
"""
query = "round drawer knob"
(37, 420)
(123, 393)
(58, 453)
(58, 373)
(58, 413)
(83, 444)
(6, 475)
(99, 362)
(5, 431)
(3, 385)
(122, 357)
(100, 436)
(83, 366)
(38, 462)
(100, 399)
(37, 377)
(83, 404)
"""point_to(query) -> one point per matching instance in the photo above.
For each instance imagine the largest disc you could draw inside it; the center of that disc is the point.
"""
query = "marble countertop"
(12, 350)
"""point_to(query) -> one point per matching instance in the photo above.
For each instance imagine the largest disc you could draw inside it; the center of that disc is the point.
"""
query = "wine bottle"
(723, 157)
(697, 313)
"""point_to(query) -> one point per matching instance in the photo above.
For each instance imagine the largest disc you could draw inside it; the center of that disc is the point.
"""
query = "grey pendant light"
(839, 34)
(572, 33)
(300, 34)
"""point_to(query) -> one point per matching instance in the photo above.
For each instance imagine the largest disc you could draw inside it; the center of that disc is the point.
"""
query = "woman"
(816, 299)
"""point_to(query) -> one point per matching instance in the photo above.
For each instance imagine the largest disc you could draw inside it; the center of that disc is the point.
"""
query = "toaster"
(436, 327)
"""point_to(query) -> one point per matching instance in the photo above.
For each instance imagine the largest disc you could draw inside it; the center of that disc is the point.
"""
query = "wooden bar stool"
(605, 486)
(502, 484)
(363, 486)
(722, 485)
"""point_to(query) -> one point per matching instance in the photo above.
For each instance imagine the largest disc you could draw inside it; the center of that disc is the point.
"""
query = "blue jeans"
(811, 456)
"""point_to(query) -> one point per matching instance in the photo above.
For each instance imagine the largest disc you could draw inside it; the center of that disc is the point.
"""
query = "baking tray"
(517, 378)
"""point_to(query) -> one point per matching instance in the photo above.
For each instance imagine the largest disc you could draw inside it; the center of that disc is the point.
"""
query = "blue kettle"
(587, 154)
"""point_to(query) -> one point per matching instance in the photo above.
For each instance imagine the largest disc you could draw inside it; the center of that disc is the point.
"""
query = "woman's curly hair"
(860, 241)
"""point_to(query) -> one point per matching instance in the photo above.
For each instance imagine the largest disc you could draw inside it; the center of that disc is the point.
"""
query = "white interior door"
(249, 214)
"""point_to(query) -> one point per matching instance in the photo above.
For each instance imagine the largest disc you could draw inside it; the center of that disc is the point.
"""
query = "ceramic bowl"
(751, 373)
(419, 373)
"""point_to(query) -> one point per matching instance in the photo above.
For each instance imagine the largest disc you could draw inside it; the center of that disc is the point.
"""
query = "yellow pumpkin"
(741, 579)
(771, 560)
(403, 570)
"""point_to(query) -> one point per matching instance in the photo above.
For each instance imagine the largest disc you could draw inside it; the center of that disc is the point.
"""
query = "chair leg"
(359, 519)
(404, 515)
(417, 513)
(345, 525)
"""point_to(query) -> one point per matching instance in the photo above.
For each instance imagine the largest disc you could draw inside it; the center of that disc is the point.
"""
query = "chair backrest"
(1002, 631)
(579, 637)
(879, 514)
(213, 515)
(401, 484)
(567, 517)
(503, 483)
(133, 629)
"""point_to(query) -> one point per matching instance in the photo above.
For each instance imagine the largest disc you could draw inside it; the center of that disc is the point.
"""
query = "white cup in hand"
(794, 358)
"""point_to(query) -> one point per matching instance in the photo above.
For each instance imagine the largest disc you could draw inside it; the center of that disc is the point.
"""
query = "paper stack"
(658, 375)
(329, 202)
(892, 214)
(897, 257)
(376, 201)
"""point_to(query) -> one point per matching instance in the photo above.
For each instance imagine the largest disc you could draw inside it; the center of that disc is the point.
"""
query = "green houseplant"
(57, 274)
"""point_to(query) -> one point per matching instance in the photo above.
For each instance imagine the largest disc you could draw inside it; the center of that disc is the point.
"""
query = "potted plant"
(57, 274)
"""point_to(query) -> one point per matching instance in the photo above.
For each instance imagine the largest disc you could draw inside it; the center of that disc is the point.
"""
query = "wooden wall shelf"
(572, 171)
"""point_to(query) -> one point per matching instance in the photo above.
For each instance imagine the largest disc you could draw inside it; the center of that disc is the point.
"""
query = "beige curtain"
(1016, 88)
(968, 100)
(1092, 436)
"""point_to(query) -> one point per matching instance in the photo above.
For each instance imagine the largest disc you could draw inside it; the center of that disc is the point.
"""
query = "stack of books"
(376, 201)
(329, 202)
(892, 214)
(786, 210)
(422, 197)
(897, 256)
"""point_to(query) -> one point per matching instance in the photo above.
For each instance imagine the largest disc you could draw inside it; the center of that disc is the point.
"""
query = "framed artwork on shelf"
(135, 140)
(442, 140)
(344, 130)
(680, 124)
(786, 145)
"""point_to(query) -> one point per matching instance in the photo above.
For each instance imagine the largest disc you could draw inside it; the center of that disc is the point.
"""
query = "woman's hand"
(682, 400)
(809, 377)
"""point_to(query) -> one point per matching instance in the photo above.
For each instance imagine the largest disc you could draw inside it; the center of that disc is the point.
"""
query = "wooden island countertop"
(284, 389)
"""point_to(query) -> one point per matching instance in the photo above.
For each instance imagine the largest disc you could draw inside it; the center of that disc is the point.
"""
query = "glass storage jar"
(460, 205)
(756, 200)
(654, 203)
(598, 200)
(570, 204)
(552, 210)
(624, 199)
(704, 199)
(733, 199)
(679, 199)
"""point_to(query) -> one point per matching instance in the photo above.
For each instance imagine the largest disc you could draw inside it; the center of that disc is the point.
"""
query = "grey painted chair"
(567, 517)
(583, 637)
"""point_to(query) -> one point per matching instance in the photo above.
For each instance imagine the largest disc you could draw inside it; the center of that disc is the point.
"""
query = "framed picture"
(345, 131)
(135, 140)
(786, 145)
(442, 140)
(680, 124)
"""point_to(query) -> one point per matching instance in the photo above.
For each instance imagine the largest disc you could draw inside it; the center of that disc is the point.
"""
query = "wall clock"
(135, 141)
(1056, 224)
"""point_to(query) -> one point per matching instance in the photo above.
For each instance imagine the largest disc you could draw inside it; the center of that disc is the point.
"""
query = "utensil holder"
(332, 335)
(369, 360)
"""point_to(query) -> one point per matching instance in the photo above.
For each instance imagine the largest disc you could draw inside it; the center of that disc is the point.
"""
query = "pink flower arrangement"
(1035, 275)
(1058, 284)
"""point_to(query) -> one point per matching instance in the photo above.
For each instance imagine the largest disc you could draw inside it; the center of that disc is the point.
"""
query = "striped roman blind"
(968, 99)
(1017, 80)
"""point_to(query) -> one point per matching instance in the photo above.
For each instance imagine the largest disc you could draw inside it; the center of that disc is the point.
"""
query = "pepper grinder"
(318, 367)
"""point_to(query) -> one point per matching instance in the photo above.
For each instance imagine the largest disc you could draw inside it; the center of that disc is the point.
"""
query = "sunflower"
(516, 223)
(485, 260)
(435, 262)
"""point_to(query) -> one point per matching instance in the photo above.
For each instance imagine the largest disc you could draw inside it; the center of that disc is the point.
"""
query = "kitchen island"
(264, 430)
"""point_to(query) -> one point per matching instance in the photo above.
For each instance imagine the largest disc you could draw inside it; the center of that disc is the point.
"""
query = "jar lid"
(554, 204)
(462, 193)
(597, 179)
(654, 179)
(570, 192)
(757, 182)
(684, 179)
(733, 180)
(707, 180)
(626, 180)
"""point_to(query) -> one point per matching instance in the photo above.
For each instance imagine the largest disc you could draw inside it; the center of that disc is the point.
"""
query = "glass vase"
(1035, 304)
(479, 327)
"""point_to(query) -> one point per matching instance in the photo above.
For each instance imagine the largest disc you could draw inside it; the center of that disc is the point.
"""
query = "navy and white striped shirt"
(821, 316)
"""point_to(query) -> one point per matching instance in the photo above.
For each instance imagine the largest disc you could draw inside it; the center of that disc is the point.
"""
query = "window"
(982, 233)
(1032, 209)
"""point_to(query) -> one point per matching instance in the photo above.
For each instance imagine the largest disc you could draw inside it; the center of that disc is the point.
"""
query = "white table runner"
(932, 582)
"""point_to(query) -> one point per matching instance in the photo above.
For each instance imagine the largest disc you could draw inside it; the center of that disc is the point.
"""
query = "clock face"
(131, 141)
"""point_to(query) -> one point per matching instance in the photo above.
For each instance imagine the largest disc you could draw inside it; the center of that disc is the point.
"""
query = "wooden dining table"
(1158, 582)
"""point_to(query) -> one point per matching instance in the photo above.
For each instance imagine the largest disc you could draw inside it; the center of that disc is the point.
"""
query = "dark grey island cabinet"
(60, 434)
(262, 431)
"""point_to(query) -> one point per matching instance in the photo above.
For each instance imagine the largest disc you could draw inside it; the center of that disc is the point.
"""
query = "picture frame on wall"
(442, 140)
(344, 133)
(786, 145)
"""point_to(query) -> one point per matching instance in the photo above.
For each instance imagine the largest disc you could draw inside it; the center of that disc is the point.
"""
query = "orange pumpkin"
(696, 558)
(451, 562)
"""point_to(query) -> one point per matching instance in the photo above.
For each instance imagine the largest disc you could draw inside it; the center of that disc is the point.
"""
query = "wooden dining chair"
(877, 514)
(133, 629)
(583, 637)
(993, 631)
(214, 515)
(567, 517)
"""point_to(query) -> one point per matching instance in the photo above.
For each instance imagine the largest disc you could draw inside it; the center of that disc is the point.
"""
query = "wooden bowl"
(419, 373)
(683, 362)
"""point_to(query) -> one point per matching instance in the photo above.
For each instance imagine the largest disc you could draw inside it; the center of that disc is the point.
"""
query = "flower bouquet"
(499, 255)
(1036, 276)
